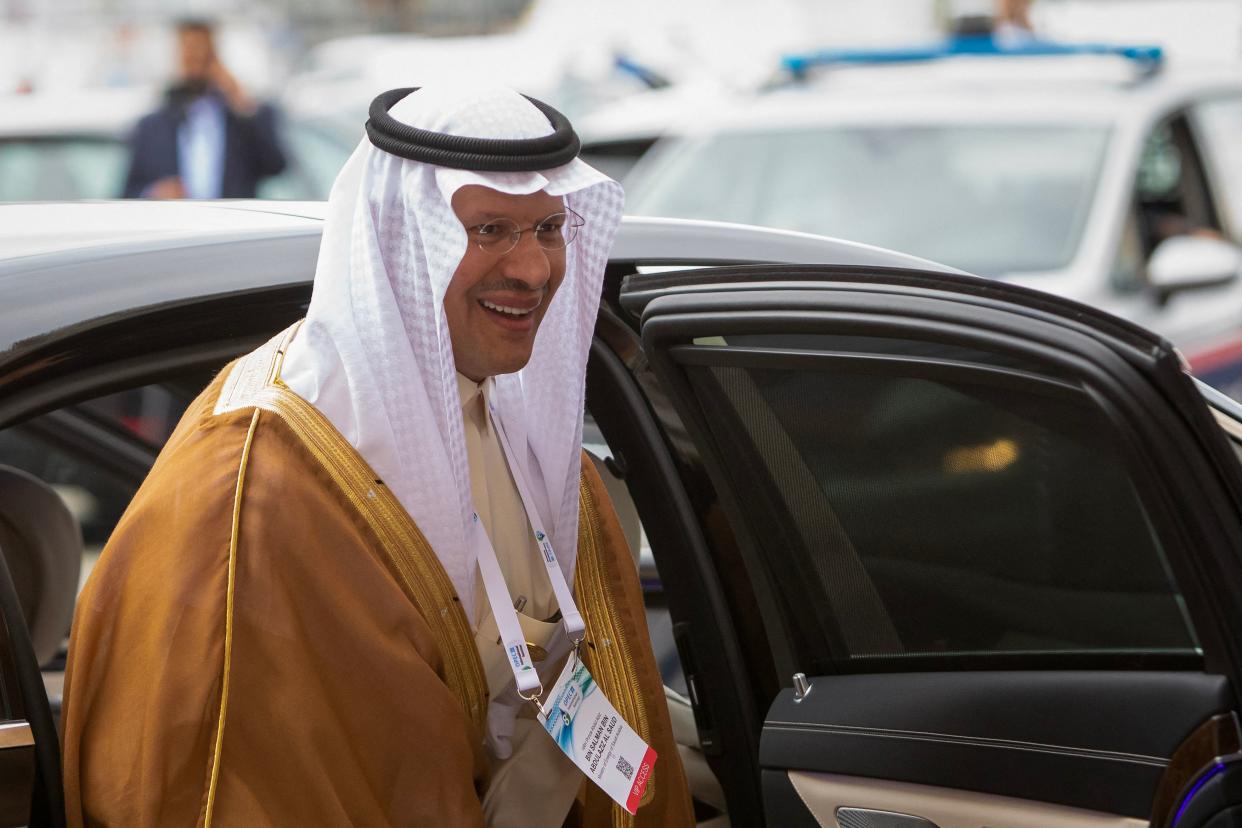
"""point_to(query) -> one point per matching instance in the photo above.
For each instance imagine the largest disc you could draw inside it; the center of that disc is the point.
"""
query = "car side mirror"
(1192, 262)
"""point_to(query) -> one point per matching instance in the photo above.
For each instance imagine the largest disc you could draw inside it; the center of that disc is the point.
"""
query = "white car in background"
(56, 146)
(1113, 181)
(70, 145)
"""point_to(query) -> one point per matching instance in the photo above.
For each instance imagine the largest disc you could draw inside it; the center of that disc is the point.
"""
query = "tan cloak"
(267, 639)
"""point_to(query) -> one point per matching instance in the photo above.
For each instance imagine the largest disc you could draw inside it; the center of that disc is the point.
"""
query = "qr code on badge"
(627, 770)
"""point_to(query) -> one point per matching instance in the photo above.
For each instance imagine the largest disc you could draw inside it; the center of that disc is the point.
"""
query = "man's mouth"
(508, 310)
(514, 314)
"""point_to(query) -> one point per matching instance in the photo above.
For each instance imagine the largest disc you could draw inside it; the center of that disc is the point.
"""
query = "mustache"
(509, 285)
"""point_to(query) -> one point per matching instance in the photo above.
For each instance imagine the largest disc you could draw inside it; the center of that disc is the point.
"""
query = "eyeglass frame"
(573, 219)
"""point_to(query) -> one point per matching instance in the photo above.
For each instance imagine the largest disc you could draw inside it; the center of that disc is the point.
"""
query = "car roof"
(66, 264)
(45, 229)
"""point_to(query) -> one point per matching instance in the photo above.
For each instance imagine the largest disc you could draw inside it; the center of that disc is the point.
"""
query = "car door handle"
(870, 818)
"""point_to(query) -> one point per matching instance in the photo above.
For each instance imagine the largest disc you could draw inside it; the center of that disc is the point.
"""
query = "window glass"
(95, 494)
(87, 451)
(1130, 267)
(988, 199)
(1219, 126)
(315, 152)
(1171, 193)
(1160, 166)
(58, 169)
(968, 512)
(150, 412)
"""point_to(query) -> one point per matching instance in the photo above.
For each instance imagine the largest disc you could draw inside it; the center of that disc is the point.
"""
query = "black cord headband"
(466, 153)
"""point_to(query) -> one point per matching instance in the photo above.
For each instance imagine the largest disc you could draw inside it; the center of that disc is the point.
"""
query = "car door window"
(1173, 191)
(316, 152)
(1172, 197)
(95, 453)
(953, 512)
(61, 169)
(1218, 124)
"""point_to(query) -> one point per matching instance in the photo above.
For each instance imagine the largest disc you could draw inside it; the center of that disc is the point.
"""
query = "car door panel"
(1019, 734)
(827, 796)
(995, 527)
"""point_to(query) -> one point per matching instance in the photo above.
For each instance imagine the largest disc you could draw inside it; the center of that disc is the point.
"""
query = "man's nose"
(527, 262)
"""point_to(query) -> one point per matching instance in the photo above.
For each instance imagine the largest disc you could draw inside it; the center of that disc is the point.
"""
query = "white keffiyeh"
(374, 355)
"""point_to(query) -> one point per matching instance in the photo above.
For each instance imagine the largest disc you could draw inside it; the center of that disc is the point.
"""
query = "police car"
(1096, 173)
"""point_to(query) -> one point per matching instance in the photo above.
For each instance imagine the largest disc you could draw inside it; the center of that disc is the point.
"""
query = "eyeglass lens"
(502, 234)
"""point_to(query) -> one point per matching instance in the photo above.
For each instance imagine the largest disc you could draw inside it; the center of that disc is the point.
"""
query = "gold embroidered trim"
(413, 561)
(610, 660)
(228, 620)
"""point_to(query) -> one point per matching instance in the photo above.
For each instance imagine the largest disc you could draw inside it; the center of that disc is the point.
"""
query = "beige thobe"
(536, 785)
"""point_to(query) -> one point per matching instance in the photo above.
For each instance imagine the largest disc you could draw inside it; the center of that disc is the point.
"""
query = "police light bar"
(1148, 57)
(649, 76)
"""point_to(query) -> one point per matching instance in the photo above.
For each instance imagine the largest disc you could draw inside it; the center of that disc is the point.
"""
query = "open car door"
(994, 538)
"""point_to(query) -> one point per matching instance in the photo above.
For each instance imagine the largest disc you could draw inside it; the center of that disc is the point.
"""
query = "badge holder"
(576, 714)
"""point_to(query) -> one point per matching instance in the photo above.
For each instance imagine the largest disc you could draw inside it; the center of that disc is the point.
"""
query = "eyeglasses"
(501, 235)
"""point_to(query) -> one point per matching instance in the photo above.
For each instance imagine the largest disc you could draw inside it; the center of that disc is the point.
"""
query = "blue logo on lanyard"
(517, 654)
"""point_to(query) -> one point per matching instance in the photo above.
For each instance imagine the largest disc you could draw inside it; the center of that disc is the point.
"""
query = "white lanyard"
(494, 583)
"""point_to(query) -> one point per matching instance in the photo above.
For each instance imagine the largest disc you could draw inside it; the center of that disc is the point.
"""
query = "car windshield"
(61, 168)
(991, 200)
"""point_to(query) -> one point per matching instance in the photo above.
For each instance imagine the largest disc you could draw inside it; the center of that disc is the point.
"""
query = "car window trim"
(1220, 402)
(742, 356)
(718, 677)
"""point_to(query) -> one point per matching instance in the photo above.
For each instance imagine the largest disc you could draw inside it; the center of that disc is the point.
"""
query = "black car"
(932, 547)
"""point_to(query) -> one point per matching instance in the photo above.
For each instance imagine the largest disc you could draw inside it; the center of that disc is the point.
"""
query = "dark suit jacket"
(251, 150)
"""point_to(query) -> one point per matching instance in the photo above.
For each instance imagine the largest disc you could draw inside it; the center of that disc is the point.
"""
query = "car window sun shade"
(463, 152)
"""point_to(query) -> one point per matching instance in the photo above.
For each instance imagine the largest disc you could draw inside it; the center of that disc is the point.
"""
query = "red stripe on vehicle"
(1216, 357)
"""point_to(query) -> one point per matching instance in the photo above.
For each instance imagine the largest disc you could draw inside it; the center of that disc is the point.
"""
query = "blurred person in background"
(209, 139)
(1012, 25)
(1007, 22)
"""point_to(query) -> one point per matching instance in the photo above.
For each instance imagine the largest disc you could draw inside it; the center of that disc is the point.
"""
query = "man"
(297, 620)
(209, 139)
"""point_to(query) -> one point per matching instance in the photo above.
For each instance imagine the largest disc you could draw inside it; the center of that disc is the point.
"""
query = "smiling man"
(371, 555)
(502, 288)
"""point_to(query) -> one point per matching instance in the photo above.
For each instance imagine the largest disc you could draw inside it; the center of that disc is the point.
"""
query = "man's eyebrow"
(484, 216)
(478, 217)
